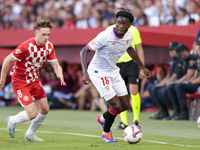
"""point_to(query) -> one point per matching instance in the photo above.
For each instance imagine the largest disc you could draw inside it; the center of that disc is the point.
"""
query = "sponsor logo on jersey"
(26, 98)
(113, 43)
(127, 42)
(107, 88)
(93, 42)
(18, 51)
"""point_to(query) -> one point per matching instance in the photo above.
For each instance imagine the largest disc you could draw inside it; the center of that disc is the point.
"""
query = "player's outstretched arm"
(140, 53)
(58, 70)
(5, 66)
(135, 57)
(83, 55)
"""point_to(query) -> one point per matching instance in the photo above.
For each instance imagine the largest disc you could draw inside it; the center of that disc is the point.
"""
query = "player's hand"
(147, 72)
(61, 80)
(141, 74)
(2, 83)
(85, 78)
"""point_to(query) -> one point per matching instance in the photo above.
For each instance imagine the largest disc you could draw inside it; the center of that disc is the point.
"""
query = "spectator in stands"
(82, 19)
(175, 72)
(53, 17)
(87, 95)
(149, 8)
(152, 12)
(191, 9)
(182, 17)
(32, 22)
(69, 20)
(106, 16)
(171, 17)
(95, 19)
(163, 13)
(140, 18)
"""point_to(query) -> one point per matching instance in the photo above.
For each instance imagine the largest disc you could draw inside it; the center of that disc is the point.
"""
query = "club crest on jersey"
(18, 51)
(107, 88)
(113, 43)
(93, 42)
(26, 98)
(127, 42)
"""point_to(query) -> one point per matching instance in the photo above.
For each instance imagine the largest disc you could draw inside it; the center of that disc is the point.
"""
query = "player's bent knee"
(116, 107)
(33, 115)
(125, 107)
(45, 111)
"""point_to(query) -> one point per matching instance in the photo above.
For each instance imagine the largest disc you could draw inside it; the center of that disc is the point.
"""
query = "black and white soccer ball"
(132, 134)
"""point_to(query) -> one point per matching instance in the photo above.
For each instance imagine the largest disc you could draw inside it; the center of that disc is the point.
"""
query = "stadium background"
(68, 43)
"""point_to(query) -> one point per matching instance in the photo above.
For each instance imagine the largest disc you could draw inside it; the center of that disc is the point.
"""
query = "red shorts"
(27, 92)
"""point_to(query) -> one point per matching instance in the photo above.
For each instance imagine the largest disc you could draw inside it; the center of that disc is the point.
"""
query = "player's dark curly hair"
(43, 24)
(126, 15)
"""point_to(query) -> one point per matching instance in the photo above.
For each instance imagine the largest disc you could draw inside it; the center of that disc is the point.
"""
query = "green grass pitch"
(78, 130)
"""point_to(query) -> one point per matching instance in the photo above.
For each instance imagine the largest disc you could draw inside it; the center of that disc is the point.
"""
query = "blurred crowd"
(83, 14)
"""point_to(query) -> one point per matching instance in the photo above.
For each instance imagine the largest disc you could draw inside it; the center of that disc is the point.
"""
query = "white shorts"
(108, 85)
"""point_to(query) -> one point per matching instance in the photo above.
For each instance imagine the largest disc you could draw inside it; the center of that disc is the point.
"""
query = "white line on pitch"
(114, 138)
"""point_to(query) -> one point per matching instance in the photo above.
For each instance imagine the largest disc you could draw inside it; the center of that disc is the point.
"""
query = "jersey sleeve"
(51, 56)
(130, 42)
(20, 52)
(179, 67)
(97, 42)
(192, 63)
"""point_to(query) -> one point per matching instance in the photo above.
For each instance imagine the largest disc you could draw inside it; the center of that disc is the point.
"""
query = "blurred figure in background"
(146, 100)
(175, 72)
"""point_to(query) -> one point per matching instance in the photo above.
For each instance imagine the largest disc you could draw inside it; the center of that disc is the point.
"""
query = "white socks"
(102, 118)
(19, 118)
(35, 124)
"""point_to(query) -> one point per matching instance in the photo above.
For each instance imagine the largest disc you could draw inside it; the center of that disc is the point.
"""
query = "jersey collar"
(116, 35)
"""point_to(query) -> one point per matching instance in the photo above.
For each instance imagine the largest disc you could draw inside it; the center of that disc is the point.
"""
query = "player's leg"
(133, 81)
(106, 120)
(135, 103)
(123, 115)
(174, 100)
(124, 121)
(116, 105)
(114, 88)
(25, 99)
(42, 107)
(181, 90)
(160, 97)
(129, 72)
(42, 110)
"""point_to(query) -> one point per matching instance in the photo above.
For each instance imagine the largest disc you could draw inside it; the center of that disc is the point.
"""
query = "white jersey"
(108, 49)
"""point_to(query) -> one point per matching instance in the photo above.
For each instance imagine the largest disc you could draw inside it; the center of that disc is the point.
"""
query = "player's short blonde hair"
(43, 24)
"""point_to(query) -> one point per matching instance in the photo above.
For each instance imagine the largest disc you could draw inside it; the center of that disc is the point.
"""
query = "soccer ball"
(198, 122)
(132, 134)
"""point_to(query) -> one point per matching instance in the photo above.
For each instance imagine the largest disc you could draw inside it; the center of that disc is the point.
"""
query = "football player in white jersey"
(109, 46)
